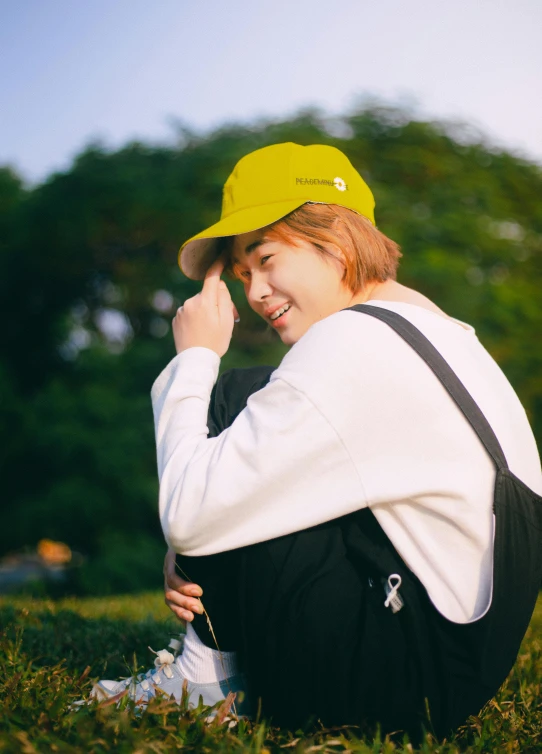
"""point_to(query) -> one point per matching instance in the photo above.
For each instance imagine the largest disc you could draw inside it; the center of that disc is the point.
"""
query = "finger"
(190, 589)
(186, 603)
(183, 615)
(211, 281)
(181, 611)
(225, 303)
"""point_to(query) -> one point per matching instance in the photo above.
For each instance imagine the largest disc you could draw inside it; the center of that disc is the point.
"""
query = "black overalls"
(314, 631)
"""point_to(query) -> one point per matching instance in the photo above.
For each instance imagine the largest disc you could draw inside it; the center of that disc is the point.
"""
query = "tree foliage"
(89, 283)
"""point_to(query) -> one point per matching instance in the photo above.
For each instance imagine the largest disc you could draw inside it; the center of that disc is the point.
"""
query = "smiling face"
(276, 274)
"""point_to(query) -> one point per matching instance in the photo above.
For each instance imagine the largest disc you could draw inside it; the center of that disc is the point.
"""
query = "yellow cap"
(267, 185)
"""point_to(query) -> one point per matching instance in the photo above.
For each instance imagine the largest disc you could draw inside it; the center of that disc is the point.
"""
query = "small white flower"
(339, 184)
(163, 657)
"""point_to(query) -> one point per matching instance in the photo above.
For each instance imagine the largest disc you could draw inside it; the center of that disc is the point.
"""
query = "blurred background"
(120, 122)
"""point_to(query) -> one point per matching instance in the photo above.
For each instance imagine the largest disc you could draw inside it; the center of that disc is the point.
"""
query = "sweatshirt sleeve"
(279, 468)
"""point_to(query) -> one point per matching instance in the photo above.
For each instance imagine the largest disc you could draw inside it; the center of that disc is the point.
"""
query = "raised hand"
(207, 318)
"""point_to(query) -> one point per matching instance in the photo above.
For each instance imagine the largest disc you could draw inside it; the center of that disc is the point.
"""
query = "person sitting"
(364, 520)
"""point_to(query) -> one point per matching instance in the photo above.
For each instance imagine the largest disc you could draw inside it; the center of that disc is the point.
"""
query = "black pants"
(305, 612)
(306, 615)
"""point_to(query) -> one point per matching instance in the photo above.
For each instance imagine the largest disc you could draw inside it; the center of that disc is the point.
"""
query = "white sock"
(200, 664)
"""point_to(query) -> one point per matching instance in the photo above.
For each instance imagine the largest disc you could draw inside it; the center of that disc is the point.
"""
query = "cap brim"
(198, 253)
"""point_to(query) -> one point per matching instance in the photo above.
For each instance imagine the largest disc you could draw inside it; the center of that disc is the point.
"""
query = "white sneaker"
(166, 677)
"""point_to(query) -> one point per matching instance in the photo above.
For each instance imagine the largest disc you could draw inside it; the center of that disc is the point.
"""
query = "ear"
(335, 255)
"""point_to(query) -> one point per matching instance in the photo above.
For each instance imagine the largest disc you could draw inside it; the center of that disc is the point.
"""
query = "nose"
(258, 289)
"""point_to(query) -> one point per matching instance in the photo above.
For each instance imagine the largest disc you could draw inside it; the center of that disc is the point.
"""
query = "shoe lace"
(164, 658)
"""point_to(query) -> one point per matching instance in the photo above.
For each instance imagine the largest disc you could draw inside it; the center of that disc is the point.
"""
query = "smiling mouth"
(283, 310)
(281, 319)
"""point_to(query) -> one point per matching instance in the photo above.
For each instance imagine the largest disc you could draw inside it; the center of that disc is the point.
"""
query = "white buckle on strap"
(393, 598)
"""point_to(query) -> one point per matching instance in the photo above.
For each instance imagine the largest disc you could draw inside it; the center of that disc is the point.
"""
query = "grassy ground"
(50, 653)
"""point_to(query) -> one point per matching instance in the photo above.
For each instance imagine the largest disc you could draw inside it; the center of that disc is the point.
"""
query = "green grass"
(51, 653)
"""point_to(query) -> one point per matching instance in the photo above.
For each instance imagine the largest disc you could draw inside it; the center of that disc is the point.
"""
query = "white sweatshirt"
(352, 417)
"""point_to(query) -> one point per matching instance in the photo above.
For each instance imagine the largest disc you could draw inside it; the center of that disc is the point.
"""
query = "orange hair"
(366, 253)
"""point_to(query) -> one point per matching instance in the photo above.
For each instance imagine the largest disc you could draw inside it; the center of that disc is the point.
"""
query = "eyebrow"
(251, 247)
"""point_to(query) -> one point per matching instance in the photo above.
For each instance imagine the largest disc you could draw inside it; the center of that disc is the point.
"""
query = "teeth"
(277, 314)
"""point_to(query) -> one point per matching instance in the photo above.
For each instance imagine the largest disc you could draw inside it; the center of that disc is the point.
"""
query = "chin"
(289, 338)
(288, 341)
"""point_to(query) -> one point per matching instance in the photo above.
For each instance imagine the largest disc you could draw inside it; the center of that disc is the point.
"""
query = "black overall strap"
(445, 374)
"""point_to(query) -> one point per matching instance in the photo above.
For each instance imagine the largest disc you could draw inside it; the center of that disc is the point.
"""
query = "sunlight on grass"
(128, 606)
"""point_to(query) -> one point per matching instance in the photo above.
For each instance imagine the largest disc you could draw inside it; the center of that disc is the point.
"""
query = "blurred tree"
(89, 283)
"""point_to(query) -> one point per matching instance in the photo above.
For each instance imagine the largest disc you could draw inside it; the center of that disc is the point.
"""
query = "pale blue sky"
(76, 71)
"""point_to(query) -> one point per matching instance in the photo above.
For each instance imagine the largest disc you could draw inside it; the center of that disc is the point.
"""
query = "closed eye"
(264, 258)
